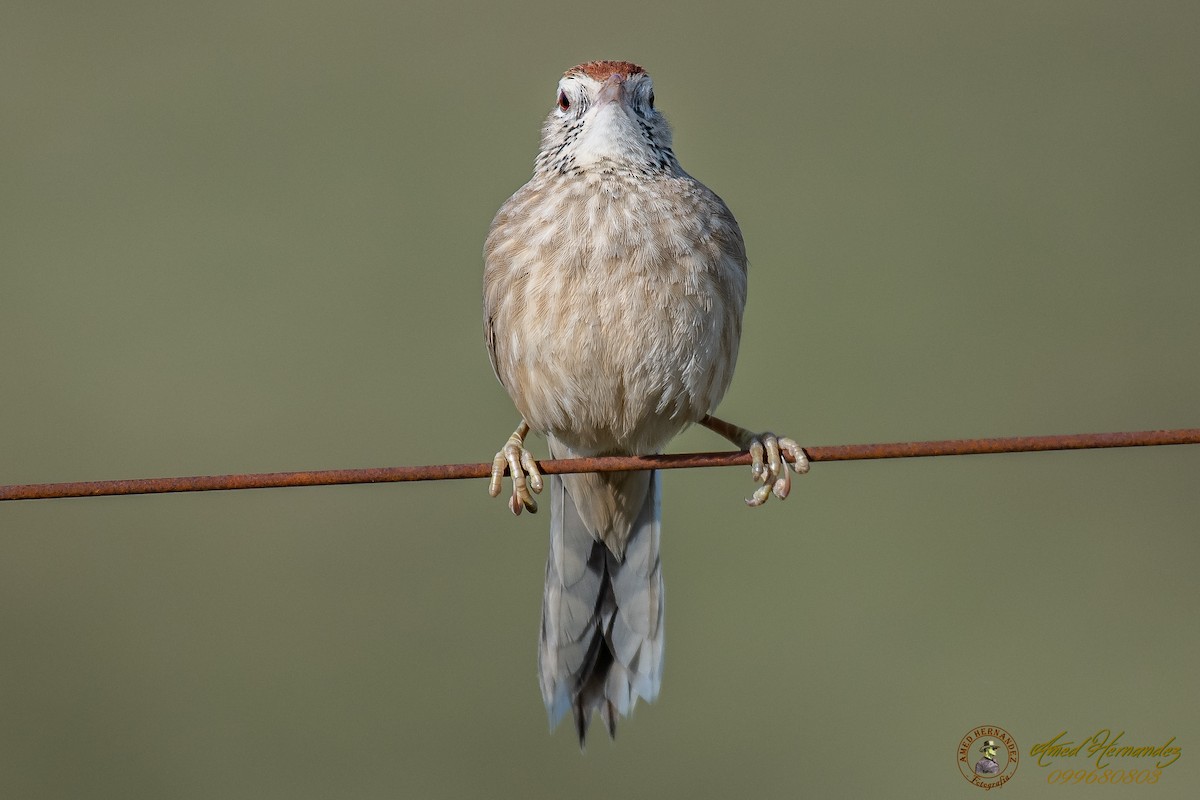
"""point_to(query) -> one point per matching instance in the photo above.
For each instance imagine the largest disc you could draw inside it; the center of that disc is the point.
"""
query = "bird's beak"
(613, 90)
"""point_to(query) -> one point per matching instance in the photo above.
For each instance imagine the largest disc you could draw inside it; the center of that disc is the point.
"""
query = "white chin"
(609, 136)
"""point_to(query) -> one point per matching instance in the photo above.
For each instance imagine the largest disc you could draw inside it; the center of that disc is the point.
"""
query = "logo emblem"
(988, 756)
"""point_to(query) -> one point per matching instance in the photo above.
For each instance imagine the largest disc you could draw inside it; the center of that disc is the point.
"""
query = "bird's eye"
(563, 101)
(652, 99)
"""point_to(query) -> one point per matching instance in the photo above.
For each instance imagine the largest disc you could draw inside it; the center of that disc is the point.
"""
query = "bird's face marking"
(604, 117)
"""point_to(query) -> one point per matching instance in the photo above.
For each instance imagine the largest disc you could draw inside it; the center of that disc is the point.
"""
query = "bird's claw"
(769, 467)
(523, 469)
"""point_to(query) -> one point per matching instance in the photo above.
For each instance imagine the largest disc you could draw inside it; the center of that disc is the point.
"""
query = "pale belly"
(614, 331)
(613, 359)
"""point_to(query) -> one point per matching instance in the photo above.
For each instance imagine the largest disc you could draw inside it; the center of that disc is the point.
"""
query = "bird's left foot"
(770, 458)
(773, 472)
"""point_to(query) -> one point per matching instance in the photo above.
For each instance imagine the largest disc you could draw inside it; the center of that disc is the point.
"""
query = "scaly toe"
(784, 484)
(497, 480)
(521, 468)
(760, 496)
(531, 469)
(775, 464)
(799, 459)
(772, 469)
(756, 460)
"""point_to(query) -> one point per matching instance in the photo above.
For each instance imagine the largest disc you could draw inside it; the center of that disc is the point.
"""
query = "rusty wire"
(441, 472)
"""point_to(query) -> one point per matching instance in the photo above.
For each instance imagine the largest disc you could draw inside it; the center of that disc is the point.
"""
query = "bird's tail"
(601, 644)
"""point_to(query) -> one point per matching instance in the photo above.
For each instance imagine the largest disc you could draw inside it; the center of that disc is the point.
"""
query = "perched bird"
(613, 291)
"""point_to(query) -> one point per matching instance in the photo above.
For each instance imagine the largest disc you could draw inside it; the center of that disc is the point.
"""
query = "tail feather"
(602, 612)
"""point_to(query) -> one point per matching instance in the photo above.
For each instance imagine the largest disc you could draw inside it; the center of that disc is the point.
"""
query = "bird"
(613, 291)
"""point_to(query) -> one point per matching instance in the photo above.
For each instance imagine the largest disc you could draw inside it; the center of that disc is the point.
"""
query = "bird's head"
(604, 118)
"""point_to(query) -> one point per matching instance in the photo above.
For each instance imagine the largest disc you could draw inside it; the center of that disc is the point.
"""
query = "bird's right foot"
(522, 468)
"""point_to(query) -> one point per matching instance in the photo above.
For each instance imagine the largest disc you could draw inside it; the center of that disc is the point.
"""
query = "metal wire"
(441, 472)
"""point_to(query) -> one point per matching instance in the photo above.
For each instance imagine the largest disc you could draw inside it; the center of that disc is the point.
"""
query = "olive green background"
(245, 236)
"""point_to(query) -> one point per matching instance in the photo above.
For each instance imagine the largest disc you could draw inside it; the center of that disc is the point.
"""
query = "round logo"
(988, 756)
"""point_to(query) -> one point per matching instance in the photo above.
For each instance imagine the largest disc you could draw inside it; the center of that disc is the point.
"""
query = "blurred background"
(246, 236)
